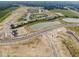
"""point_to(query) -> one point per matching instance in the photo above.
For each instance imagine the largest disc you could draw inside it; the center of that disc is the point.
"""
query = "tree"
(12, 26)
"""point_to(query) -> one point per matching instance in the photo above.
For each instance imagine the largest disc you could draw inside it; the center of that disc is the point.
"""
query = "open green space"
(37, 15)
(5, 13)
(66, 13)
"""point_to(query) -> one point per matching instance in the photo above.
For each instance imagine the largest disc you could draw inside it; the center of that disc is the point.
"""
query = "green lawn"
(66, 13)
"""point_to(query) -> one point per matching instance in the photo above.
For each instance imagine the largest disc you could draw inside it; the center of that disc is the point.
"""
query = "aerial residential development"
(39, 29)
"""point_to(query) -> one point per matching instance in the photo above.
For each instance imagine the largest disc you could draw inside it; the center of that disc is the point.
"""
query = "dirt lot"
(37, 46)
(48, 44)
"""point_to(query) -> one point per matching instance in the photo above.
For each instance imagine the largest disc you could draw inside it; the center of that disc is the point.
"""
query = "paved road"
(28, 16)
(70, 25)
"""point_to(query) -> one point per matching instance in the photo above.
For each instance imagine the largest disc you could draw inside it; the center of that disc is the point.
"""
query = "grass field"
(66, 13)
(71, 44)
(75, 29)
(5, 13)
(37, 15)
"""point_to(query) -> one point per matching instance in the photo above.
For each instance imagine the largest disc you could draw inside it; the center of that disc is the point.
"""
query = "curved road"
(12, 19)
(27, 36)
